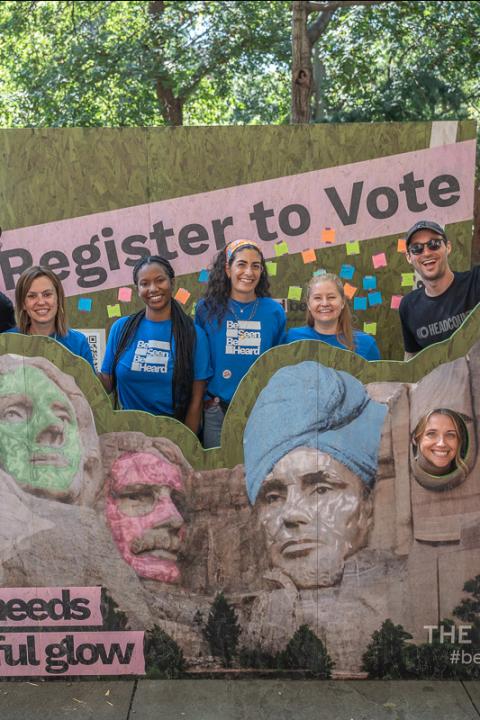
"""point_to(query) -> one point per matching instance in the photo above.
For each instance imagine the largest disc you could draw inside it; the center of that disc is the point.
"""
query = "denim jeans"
(212, 426)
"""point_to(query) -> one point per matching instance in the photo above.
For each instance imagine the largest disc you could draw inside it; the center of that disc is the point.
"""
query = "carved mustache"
(156, 539)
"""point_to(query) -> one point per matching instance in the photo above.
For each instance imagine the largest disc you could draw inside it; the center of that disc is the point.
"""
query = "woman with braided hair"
(241, 322)
(157, 360)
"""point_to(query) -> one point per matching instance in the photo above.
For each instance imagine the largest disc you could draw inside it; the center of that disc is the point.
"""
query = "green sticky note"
(114, 311)
(281, 248)
(370, 328)
(353, 248)
(408, 279)
(271, 268)
(294, 293)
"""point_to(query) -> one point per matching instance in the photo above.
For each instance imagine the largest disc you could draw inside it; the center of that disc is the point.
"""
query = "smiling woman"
(241, 322)
(440, 443)
(157, 360)
(40, 310)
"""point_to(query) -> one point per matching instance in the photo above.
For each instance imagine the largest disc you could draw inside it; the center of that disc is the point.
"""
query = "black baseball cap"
(425, 225)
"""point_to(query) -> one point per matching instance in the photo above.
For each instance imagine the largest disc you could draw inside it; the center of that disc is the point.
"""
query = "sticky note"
(370, 328)
(328, 235)
(369, 282)
(294, 293)
(271, 268)
(203, 276)
(402, 245)
(281, 248)
(125, 294)
(395, 302)
(309, 256)
(347, 272)
(360, 303)
(375, 298)
(114, 311)
(379, 260)
(84, 304)
(353, 248)
(408, 279)
(349, 290)
(320, 271)
(182, 295)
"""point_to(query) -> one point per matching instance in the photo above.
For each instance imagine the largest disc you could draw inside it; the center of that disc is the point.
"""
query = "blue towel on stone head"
(314, 406)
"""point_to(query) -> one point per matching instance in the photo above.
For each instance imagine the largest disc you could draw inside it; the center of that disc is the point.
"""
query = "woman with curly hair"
(157, 360)
(241, 321)
(330, 321)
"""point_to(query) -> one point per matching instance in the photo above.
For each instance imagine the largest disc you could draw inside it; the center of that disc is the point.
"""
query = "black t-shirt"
(7, 316)
(427, 320)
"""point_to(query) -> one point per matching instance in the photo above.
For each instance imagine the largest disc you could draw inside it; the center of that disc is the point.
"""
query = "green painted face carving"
(39, 440)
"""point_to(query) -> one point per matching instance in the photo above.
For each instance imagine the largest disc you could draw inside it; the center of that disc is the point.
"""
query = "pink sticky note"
(124, 294)
(395, 302)
(309, 256)
(379, 260)
(182, 295)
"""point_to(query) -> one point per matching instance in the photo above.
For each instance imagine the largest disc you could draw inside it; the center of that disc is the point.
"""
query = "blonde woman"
(440, 442)
(329, 319)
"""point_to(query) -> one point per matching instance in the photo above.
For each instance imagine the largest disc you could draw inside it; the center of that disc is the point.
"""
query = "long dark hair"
(219, 285)
(184, 337)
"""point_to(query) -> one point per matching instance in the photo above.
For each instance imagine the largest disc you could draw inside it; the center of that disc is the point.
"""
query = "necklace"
(242, 332)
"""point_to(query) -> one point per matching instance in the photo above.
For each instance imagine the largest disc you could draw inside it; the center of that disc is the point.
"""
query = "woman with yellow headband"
(241, 321)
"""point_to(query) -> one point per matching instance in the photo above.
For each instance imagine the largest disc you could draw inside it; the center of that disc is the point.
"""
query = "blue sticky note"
(375, 298)
(84, 304)
(360, 303)
(320, 271)
(347, 272)
(203, 276)
(369, 282)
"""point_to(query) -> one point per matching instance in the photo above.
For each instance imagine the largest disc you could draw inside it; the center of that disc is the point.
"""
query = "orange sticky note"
(309, 256)
(349, 290)
(328, 235)
(402, 245)
(182, 295)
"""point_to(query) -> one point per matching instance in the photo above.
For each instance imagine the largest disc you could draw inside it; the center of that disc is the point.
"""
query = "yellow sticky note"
(408, 279)
(271, 268)
(182, 295)
(281, 248)
(309, 256)
(402, 245)
(349, 290)
(328, 235)
(370, 328)
(353, 248)
(114, 311)
(294, 293)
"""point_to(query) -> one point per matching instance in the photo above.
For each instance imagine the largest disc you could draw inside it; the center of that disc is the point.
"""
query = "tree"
(222, 630)
(469, 608)
(305, 651)
(163, 657)
(385, 656)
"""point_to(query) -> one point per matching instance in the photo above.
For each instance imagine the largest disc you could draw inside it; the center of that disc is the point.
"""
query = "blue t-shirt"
(246, 331)
(144, 371)
(74, 341)
(364, 344)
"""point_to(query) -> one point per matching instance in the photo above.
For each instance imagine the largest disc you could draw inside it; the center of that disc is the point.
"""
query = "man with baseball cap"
(433, 312)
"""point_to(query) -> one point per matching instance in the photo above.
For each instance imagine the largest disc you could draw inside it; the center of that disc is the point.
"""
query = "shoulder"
(411, 298)
(299, 333)
(13, 330)
(5, 301)
(366, 345)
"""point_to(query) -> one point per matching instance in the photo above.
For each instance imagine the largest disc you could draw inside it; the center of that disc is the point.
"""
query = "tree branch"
(318, 27)
(313, 6)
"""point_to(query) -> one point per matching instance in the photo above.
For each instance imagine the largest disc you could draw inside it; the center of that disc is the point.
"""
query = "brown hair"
(21, 290)
(460, 429)
(344, 324)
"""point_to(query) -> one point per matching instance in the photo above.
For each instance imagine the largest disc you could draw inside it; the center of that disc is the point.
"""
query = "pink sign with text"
(47, 606)
(369, 199)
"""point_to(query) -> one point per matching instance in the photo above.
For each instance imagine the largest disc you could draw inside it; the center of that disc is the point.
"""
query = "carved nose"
(51, 435)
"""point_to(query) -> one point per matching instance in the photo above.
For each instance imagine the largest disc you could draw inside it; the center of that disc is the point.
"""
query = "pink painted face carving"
(142, 512)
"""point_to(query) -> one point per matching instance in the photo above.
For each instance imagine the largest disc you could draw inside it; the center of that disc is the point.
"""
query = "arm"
(106, 380)
(194, 412)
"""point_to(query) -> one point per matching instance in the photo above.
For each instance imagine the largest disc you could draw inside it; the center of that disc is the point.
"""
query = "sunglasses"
(433, 244)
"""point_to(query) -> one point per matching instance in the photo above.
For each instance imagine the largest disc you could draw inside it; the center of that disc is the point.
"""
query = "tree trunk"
(171, 107)
(302, 71)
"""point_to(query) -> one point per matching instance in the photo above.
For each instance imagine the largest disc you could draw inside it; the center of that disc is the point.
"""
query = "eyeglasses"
(418, 248)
